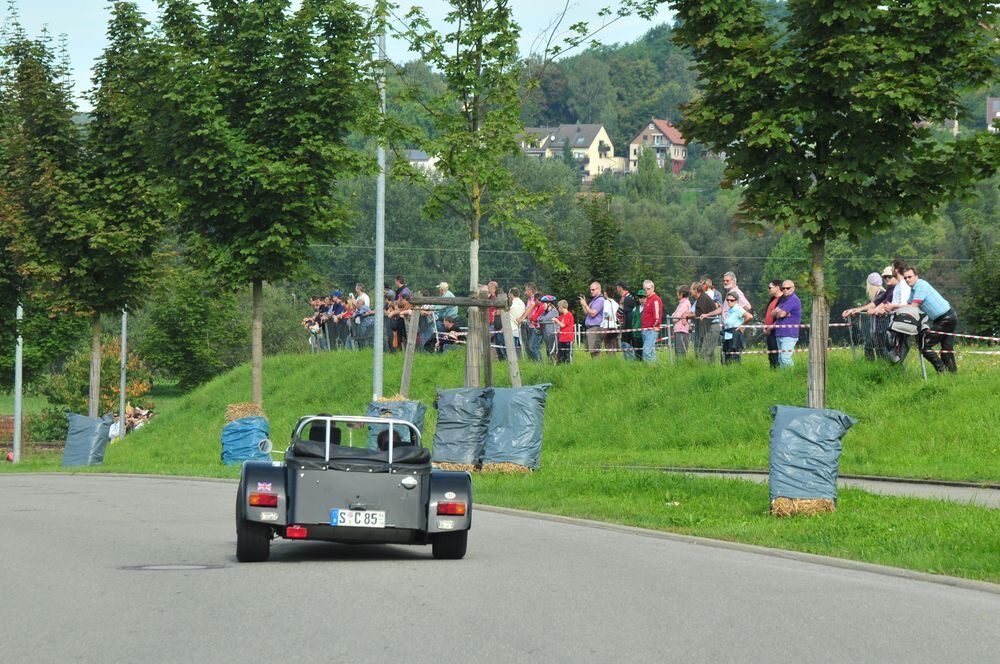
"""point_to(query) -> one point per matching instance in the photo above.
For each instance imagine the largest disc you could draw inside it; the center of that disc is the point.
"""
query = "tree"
(819, 115)
(84, 216)
(477, 120)
(982, 305)
(604, 246)
(123, 195)
(649, 181)
(592, 98)
(50, 235)
(258, 101)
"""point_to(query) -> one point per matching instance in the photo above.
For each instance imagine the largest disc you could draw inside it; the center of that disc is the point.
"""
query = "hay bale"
(237, 411)
(505, 467)
(444, 465)
(807, 506)
(393, 398)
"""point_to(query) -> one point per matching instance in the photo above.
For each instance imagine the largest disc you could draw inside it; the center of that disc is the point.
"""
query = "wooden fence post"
(413, 324)
(508, 342)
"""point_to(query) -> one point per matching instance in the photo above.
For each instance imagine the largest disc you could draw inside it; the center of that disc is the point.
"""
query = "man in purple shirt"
(788, 316)
(595, 314)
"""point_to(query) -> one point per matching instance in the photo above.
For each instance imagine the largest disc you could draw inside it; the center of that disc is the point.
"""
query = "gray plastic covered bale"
(242, 438)
(409, 411)
(86, 439)
(805, 451)
(516, 424)
(462, 424)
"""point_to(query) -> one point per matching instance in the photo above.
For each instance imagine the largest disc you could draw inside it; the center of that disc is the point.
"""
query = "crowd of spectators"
(704, 320)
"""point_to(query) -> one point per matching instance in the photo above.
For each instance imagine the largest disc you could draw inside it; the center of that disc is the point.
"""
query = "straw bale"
(444, 465)
(237, 411)
(505, 467)
(807, 506)
(393, 398)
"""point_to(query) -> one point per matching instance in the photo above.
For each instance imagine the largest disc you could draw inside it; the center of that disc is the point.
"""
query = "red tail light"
(263, 500)
(296, 532)
(451, 509)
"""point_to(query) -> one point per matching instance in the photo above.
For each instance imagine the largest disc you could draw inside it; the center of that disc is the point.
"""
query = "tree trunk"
(819, 330)
(257, 343)
(474, 348)
(94, 401)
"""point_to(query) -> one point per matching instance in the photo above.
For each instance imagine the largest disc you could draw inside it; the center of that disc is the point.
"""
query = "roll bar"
(356, 419)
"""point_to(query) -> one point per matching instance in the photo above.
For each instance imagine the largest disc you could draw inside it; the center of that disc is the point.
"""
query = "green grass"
(603, 414)
(924, 535)
(30, 404)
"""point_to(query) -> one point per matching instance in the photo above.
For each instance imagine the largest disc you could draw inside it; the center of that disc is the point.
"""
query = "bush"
(49, 426)
(68, 391)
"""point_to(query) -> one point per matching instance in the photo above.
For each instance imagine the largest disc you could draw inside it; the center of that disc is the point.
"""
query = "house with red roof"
(665, 139)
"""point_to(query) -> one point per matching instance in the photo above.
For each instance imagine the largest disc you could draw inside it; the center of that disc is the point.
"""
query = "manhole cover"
(171, 568)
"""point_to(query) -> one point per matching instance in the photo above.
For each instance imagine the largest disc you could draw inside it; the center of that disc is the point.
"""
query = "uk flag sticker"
(263, 486)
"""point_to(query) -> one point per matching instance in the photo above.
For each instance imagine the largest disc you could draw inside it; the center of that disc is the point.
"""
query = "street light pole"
(121, 393)
(378, 291)
(18, 385)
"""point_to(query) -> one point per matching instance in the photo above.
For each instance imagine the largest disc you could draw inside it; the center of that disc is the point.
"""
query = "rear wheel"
(450, 546)
(253, 540)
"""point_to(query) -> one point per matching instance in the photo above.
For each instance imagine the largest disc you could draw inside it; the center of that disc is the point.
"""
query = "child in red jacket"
(564, 321)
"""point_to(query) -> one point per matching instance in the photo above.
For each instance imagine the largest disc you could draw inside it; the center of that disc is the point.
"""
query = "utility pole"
(378, 291)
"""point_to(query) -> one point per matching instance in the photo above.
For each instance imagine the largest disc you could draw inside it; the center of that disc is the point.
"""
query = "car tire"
(253, 540)
(450, 546)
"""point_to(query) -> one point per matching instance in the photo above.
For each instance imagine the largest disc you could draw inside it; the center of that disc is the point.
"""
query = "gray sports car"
(353, 480)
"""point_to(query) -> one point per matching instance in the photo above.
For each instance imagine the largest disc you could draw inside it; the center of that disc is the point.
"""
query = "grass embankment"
(606, 412)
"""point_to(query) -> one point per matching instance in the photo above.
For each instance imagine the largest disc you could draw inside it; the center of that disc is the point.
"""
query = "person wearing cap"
(531, 332)
(640, 305)
(886, 343)
(364, 317)
(626, 306)
(873, 288)
(547, 328)
(441, 310)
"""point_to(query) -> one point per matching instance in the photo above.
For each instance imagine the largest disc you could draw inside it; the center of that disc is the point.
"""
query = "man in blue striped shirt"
(942, 319)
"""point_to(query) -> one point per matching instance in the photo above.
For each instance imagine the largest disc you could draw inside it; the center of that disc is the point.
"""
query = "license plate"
(357, 518)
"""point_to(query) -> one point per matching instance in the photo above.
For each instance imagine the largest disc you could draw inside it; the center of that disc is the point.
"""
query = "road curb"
(757, 471)
(810, 558)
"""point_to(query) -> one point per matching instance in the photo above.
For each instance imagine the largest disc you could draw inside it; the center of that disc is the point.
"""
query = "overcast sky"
(84, 23)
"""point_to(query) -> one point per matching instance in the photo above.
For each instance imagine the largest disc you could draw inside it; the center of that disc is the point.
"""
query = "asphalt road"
(73, 589)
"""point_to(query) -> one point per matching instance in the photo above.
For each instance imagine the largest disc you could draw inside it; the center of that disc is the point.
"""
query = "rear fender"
(449, 486)
(264, 477)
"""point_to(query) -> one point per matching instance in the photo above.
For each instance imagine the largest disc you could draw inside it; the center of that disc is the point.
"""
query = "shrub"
(69, 390)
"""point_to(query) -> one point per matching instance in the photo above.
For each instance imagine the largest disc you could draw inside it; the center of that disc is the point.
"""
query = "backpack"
(909, 321)
(610, 319)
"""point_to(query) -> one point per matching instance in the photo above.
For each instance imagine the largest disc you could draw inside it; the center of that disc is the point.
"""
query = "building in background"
(992, 112)
(665, 139)
(421, 160)
(590, 144)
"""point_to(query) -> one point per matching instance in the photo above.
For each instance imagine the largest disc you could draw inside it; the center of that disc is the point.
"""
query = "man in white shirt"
(610, 322)
(517, 308)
